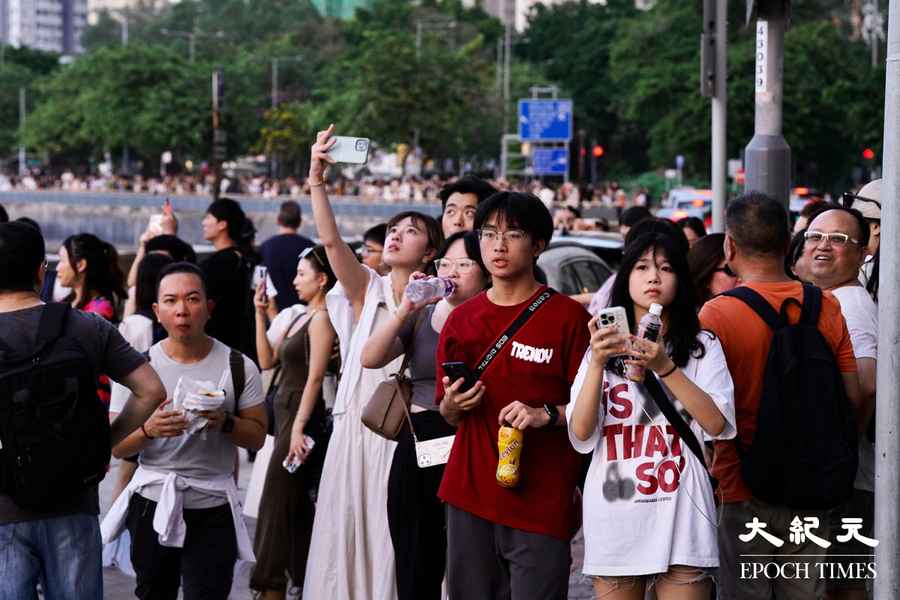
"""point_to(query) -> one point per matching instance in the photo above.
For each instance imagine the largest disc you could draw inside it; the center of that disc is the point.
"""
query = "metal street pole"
(510, 11)
(275, 82)
(887, 424)
(22, 158)
(768, 156)
(720, 119)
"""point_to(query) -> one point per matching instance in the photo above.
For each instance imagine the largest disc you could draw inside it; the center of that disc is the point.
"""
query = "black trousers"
(416, 516)
(204, 566)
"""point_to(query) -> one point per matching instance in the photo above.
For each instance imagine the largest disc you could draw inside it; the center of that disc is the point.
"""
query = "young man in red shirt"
(511, 543)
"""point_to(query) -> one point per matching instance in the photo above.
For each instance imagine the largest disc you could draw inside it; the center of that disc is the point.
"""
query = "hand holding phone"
(458, 370)
(349, 150)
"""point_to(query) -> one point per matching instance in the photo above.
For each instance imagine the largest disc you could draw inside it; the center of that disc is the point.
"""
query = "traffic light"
(598, 151)
(869, 154)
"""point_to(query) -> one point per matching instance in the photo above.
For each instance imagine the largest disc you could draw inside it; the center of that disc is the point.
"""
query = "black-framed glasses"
(315, 255)
(847, 200)
(727, 270)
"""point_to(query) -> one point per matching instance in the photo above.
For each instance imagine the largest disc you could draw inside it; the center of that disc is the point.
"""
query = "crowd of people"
(753, 406)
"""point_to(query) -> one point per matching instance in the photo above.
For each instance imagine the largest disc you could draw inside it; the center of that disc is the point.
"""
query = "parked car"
(688, 203)
(573, 264)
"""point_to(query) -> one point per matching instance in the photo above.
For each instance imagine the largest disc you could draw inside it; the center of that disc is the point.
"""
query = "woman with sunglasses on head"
(649, 515)
(302, 343)
(415, 513)
(710, 273)
(351, 555)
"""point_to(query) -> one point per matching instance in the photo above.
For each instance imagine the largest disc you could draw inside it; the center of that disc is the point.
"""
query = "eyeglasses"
(367, 250)
(727, 270)
(311, 250)
(835, 239)
(511, 236)
(463, 265)
(847, 200)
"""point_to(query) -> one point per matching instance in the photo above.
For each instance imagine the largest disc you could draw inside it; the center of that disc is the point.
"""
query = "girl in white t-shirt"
(649, 515)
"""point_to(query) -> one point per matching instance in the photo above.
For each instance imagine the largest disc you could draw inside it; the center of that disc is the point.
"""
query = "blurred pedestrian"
(710, 274)
(280, 252)
(372, 249)
(459, 200)
(693, 228)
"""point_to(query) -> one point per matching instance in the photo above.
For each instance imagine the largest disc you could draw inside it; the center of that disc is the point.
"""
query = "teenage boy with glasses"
(511, 543)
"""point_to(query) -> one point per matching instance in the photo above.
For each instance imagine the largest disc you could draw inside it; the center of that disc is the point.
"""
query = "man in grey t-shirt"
(61, 549)
(205, 561)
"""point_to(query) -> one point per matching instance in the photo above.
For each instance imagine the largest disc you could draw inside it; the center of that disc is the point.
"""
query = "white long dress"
(351, 556)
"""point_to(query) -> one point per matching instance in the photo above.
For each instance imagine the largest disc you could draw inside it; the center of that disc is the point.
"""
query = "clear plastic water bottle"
(648, 329)
(423, 290)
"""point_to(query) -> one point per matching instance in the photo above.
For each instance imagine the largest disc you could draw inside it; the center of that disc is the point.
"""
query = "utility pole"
(768, 156)
(276, 100)
(713, 84)
(219, 148)
(191, 37)
(510, 12)
(887, 422)
(23, 167)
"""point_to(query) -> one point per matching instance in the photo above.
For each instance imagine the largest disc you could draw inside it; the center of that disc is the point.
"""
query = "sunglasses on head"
(847, 200)
(311, 250)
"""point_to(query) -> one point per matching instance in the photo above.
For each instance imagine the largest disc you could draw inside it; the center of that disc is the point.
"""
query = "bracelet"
(146, 435)
(320, 183)
(669, 372)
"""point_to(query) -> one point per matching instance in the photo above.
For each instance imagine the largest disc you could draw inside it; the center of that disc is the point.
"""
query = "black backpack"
(804, 452)
(54, 430)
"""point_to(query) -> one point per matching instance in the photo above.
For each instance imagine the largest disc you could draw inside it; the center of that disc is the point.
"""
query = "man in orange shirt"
(756, 240)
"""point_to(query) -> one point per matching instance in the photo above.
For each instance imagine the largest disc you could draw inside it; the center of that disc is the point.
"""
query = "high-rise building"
(95, 7)
(340, 9)
(50, 25)
(516, 11)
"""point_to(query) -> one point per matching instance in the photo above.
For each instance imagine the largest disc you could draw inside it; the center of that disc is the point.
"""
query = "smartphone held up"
(349, 150)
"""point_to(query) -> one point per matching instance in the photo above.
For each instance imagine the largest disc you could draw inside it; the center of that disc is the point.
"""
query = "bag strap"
(51, 326)
(652, 385)
(238, 376)
(512, 329)
(812, 305)
(759, 305)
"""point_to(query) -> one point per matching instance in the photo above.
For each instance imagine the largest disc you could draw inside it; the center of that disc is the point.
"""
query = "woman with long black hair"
(649, 515)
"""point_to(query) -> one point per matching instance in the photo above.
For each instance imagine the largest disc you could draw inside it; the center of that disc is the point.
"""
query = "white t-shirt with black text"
(648, 502)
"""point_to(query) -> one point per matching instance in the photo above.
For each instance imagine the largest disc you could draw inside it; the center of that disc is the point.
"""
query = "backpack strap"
(51, 326)
(652, 385)
(812, 305)
(759, 305)
(238, 376)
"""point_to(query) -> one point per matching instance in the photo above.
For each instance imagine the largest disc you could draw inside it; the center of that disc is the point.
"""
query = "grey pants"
(768, 573)
(487, 561)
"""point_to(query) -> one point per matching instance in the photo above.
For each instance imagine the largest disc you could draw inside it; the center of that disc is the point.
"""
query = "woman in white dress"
(351, 556)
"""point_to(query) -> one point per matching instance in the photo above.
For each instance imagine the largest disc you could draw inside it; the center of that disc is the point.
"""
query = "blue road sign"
(550, 161)
(545, 120)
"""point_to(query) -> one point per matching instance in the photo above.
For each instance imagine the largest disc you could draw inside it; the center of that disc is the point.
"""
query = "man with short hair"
(373, 248)
(58, 546)
(511, 542)
(834, 251)
(459, 201)
(181, 508)
(280, 253)
(756, 241)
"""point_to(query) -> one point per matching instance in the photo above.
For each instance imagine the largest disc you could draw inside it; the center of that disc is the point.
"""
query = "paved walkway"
(118, 586)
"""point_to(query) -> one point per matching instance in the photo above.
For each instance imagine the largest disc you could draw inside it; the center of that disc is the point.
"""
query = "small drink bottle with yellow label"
(509, 443)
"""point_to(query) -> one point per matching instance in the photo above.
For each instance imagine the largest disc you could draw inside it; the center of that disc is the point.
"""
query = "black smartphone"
(458, 370)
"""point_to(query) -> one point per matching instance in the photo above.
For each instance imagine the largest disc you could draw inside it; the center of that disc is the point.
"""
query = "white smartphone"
(350, 150)
(614, 316)
(155, 224)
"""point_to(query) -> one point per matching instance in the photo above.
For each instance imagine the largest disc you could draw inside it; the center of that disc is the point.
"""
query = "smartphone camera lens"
(362, 145)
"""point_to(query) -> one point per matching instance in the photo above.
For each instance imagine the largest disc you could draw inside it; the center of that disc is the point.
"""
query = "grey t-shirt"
(422, 365)
(199, 455)
(110, 355)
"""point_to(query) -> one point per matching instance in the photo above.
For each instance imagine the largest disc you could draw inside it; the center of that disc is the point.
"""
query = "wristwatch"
(553, 413)
(228, 424)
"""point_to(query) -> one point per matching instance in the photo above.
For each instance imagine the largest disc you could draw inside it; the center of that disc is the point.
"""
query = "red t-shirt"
(536, 367)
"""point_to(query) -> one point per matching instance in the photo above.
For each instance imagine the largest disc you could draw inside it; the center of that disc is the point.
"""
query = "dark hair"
(861, 222)
(683, 322)
(376, 234)
(872, 283)
(519, 210)
(794, 252)
(29, 221)
(758, 224)
(4, 216)
(467, 185)
(102, 273)
(318, 258)
(429, 224)
(703, 260)
(813, 208)
(147, 276)
(572, 210)
(660, 226)
(240, 229)
(22, 252)
(178, 249)
(290, 215)
(182, 267)
(694, 224)
(473, 250)
(634, 215)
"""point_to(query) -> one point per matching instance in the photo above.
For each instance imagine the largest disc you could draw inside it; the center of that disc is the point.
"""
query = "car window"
(582, 276)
